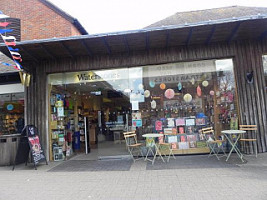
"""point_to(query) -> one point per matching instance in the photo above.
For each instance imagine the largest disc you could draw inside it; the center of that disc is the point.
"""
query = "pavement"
(119, 178)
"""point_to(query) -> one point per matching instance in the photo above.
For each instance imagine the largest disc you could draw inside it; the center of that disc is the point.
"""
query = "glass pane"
(264, 58)
(178, 98)
(12, 113)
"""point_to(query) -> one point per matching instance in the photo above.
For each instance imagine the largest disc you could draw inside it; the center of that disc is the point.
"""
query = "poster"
(136, 119)
(36, 150)
(135, 105)
(137, 122)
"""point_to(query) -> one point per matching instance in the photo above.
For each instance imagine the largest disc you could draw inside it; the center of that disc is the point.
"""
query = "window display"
(175, 98)
(12, 113)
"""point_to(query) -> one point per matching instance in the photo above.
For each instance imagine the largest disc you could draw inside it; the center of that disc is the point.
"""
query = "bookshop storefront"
(172, 80)
(178, 98)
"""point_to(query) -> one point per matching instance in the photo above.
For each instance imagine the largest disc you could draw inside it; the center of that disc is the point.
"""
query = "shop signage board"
(29, 144)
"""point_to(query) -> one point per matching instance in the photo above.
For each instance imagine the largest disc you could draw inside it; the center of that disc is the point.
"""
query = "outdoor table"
(228, 134)
(153, 136)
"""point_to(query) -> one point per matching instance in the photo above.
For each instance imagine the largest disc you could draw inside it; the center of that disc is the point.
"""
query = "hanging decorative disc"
(147, 93)
(153, 104)
(180, 86)
(187, 97)
(211, 92)
(169, 93)
(152, 84)
(205, 83)
(199, 91)
(162, 86)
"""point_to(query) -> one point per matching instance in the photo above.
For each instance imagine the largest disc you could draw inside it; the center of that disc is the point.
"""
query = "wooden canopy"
(203, 33)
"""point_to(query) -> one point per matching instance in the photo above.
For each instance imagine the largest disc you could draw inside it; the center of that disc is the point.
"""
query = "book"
(172, 139)
(192, 141)
(183, 145)
(170, 122)
(180, 122)
(200, 121)
(190, 122)
(181, 129)
(174, 146)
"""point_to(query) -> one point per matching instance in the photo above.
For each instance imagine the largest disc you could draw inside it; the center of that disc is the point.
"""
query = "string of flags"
(10, 42)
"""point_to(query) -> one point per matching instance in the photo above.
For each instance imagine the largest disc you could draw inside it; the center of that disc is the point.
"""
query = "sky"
(104, 16)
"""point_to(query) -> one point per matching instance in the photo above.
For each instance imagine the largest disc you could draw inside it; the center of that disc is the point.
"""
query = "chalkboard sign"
(29, 143)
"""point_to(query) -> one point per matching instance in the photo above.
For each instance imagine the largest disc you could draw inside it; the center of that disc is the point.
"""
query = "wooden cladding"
(247, 57)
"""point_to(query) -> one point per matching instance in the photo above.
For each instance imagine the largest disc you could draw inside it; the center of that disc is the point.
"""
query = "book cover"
(190, 122)
(172, 139)
(170, 122)
(158, 125)
(174, 146)
(200, 121)
(180, 122)
(181, 129)
(183, 145)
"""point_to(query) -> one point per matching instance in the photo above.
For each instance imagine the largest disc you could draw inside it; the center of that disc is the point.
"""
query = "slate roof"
(209, 14)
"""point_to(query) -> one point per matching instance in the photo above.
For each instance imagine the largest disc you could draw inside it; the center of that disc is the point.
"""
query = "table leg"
(157, 153)
(149, 150)
(234, 147)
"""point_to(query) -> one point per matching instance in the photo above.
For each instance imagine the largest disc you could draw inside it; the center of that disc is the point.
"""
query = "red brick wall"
(37, 20)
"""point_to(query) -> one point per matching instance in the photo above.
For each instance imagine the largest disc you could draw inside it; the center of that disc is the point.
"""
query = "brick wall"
(37, 20)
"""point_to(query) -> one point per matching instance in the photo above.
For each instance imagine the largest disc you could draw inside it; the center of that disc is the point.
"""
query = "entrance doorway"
(88, 118)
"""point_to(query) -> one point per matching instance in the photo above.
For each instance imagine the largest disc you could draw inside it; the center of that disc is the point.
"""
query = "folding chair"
(215, 145)
(165, 147)
(133, 147)
(127, 133)
(249, 138)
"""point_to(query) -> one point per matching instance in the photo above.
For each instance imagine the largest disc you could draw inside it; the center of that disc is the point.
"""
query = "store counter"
(8, 148)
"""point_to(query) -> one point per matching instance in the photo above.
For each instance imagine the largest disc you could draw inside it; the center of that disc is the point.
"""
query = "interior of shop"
(179, 98)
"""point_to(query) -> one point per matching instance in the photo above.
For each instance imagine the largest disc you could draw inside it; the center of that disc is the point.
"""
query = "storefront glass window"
(12, 113)
(264, 58)
(179, 98)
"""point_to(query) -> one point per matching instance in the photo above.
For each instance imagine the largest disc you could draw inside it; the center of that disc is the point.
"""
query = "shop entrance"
(88, 118)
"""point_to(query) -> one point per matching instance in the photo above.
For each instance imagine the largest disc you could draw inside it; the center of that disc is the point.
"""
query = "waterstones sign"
(88, 76)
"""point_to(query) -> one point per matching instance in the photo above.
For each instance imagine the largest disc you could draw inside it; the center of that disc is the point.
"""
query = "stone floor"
(119, 178)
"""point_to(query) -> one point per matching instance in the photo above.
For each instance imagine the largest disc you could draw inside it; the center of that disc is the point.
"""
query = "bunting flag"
(5, 31)
(10, 41)
(4, 24)
(2, 16)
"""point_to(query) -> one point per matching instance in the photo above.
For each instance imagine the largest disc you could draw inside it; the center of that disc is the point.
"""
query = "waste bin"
(76, 140)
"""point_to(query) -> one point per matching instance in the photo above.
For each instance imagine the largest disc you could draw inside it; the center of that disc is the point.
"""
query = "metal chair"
(249, 138)
(133, 146)
(165, 147)
(215, 145)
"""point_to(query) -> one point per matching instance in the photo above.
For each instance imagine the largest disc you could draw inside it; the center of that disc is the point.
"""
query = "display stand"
(29, 143)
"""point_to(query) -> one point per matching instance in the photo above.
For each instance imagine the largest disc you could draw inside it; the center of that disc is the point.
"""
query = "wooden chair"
(165, 147)
(249, 138)
(215, 145)
(127, 133)
(133, 146)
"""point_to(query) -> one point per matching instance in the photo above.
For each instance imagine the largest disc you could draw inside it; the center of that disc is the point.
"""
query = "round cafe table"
(229, 136)
(153, 136)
